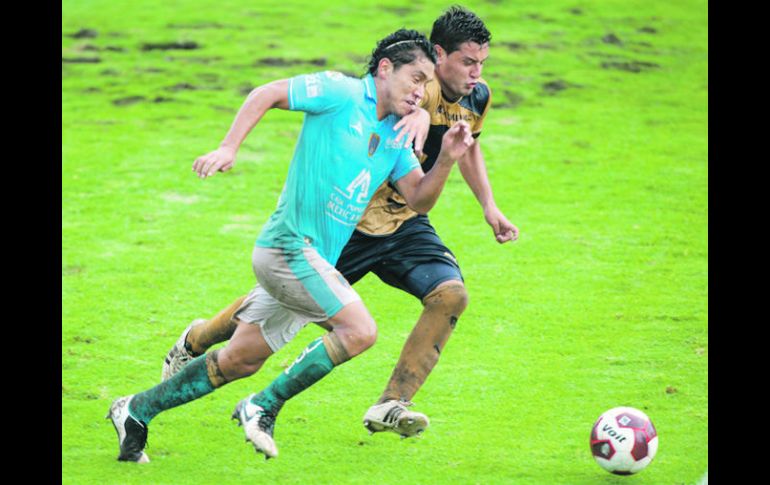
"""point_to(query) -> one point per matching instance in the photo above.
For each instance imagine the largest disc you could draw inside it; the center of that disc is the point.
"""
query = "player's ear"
(384, 68)
(440, 54)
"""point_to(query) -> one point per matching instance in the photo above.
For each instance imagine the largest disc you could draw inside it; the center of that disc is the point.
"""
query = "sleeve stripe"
(291, 93)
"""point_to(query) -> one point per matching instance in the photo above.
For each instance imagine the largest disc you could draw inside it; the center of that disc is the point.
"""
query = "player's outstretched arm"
(271, 95)
(421, 190)
(474, 171)
(414, 127)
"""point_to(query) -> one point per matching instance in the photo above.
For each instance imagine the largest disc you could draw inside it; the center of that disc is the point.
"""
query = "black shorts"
(412, 259)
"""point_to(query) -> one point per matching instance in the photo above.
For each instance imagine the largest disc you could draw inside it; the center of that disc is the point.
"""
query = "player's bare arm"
(474, 171)
(272, 95)
(421, 190)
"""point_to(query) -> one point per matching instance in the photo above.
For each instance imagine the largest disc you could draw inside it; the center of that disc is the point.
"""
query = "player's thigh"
(303, 282)
(416, 260)
(277, 324)
(360, 255)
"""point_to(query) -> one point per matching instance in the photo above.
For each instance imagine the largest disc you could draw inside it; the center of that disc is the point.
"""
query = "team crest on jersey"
(374, 142)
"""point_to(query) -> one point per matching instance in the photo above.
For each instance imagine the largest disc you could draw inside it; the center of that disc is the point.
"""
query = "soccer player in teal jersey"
(399, 245)
(348, 147)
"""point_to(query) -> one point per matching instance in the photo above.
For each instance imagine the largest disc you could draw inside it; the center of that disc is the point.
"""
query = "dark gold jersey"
(388, 210)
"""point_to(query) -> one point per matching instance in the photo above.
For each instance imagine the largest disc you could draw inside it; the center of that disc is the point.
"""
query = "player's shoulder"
(336, 82)
(344, 81)
(478, 100)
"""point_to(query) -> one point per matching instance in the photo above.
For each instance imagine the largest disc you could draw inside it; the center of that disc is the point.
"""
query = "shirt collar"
(370, 90)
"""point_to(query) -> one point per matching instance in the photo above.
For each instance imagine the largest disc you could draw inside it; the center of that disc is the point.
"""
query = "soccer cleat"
(178, 356)
(393, 416)
(132, 434)
(258, 425)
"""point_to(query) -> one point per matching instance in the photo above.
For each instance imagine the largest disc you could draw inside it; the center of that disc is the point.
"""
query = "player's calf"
(422, 349)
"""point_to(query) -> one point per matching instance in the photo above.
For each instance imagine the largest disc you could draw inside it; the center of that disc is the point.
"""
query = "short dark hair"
(456, 26)
(401, 47)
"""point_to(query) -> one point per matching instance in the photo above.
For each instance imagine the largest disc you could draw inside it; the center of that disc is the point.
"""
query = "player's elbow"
(421, 207)
(273, 94)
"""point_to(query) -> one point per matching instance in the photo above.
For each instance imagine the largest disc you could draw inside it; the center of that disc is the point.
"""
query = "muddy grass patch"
(281, 62)
(96, 48)
(81, 60)
(630, 66)
(613, 39)
(128, 100)
(181, 87)
(167, 46)
(512, 100)
(553, 87)
(84, 34)
(513, 46)
(399, 11)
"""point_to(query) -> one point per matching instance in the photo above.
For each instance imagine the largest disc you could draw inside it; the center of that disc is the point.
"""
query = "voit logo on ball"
(624, 441)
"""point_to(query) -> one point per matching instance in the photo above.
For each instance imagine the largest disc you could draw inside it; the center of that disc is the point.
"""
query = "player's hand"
(220, 160)
(457, 140)
(414, 127)
(501, 226)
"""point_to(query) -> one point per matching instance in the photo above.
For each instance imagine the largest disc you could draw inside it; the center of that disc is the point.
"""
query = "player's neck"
(383, 99)
(447, 93)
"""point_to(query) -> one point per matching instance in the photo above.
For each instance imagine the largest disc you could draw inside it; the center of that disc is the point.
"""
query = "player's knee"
(359, 337)
(451, 298)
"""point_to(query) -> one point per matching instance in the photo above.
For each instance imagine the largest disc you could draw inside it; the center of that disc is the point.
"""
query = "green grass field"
(596, 148)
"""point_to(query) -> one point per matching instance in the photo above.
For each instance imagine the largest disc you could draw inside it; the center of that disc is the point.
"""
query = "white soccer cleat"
(178, 356)
(258, 426)
(393, 416)
(132, 435)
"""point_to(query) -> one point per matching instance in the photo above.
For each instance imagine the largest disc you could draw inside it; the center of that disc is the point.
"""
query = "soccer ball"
(624, 441)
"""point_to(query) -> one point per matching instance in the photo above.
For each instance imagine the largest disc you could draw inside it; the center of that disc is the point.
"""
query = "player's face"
(407, 85)
(459, 72)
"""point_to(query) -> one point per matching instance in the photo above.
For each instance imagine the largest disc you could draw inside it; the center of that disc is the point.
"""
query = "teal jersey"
(342, 155)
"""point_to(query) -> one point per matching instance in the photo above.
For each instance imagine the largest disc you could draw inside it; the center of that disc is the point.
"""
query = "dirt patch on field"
(399, 11)
(612, 39)
(539, 18)
(204, 25)
(166, 46)
(84, 34)
(281, 62)
(648, 30)
(630, 66)
(81, 60)
(514, 46)
(195, 60)
(72, 270)
(96, 48)
(512, 100)
(558, 85)
(128, 100)
(553, 87)
(181, 87)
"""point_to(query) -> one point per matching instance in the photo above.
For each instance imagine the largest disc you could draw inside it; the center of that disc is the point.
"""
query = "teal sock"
(310, 367)
(187, 385)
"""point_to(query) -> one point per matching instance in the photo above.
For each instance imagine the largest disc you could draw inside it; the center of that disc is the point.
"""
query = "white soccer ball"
(624, 441)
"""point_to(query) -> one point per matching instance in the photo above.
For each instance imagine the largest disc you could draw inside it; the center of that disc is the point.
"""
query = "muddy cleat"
(178, 356)
(132, 434)
(393, 416)
(258, 425)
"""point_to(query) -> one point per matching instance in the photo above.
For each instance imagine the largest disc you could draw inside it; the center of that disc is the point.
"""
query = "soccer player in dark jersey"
(400, 246)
